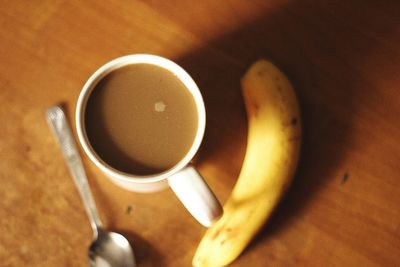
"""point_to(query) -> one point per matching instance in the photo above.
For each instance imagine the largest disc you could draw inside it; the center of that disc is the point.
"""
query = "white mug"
(183, 178)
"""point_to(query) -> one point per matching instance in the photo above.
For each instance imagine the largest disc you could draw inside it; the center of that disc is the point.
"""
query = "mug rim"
(119, 62)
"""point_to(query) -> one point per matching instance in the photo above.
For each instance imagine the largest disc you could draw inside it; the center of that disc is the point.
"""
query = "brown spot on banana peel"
(292, 123)
(217, 232)
(226, 232)
(262, 72)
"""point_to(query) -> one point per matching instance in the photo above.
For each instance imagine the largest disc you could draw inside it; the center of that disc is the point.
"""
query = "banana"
(273, 146)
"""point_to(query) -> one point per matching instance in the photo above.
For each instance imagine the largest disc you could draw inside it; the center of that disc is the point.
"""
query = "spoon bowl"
(110, 249)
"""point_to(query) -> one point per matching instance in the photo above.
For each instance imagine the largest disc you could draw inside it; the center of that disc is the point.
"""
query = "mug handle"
(194, 193)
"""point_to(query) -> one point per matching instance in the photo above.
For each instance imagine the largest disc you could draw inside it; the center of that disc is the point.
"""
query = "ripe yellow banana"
(273, 146)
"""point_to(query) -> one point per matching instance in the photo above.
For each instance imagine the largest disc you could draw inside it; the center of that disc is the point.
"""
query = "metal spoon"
(108, 249)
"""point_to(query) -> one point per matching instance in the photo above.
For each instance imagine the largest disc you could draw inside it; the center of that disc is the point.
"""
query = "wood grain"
(343, 58)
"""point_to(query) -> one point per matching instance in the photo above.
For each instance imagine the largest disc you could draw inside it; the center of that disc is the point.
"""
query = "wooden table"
(343, 58)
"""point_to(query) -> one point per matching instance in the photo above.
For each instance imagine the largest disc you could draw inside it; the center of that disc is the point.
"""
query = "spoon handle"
(59, 124)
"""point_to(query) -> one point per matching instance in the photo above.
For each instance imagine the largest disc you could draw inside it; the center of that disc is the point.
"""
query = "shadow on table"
(321, 56)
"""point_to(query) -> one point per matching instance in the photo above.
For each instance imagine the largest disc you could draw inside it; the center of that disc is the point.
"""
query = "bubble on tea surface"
(160, 106)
